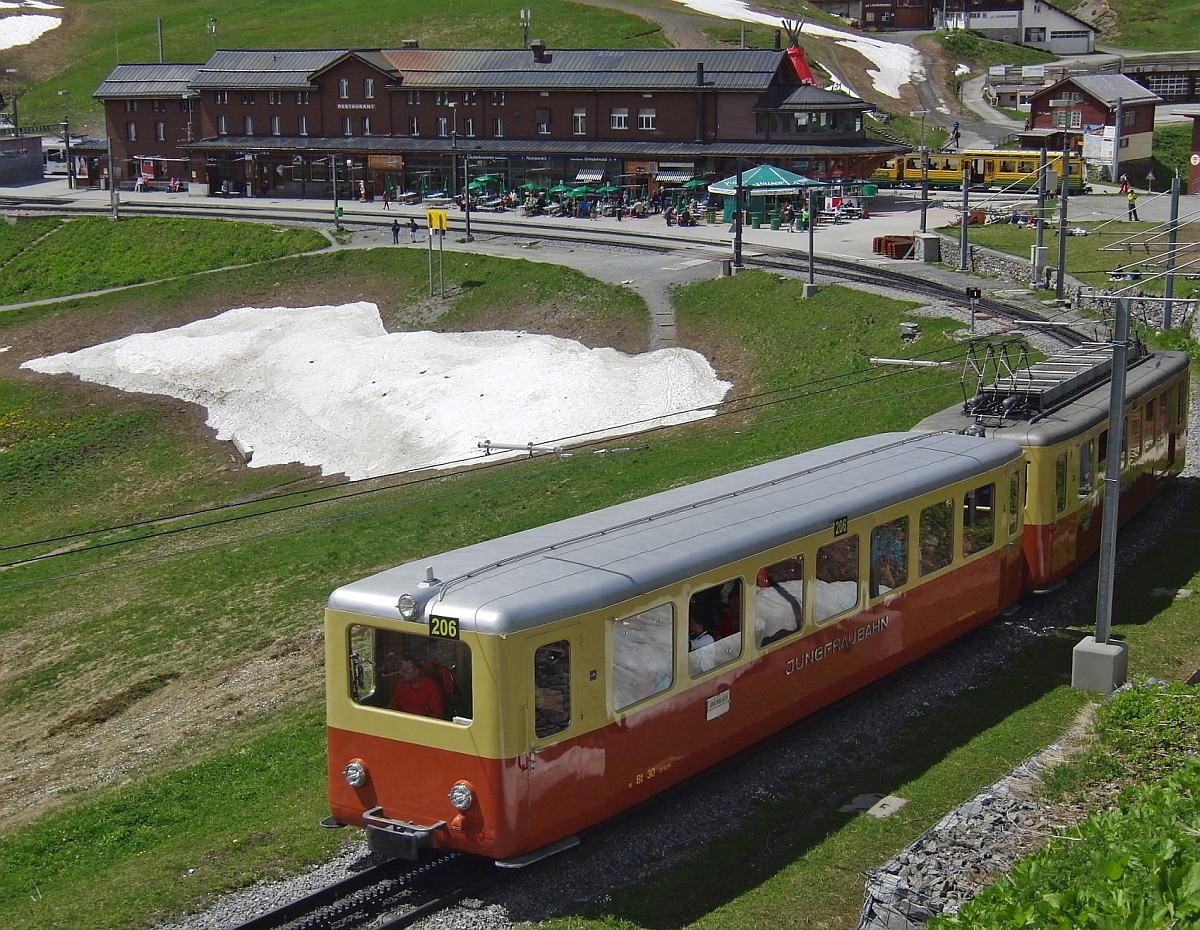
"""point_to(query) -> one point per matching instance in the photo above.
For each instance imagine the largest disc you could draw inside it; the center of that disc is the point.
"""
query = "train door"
(981, 168)
(554, 790)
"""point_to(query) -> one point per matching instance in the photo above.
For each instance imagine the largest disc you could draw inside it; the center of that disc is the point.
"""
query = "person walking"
(395, 232)
(1132, 198)
(387, 199)
(412, 230)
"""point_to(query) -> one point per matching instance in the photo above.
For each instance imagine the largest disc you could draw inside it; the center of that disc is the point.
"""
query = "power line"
(741, 405)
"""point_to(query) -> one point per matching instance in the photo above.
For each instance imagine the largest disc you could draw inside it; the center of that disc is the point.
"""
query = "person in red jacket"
(417, 693)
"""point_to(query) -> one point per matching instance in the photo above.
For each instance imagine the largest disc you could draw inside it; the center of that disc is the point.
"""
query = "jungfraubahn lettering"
(817, 653)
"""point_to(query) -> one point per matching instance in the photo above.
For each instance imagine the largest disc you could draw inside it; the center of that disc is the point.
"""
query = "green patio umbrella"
(559, 189)
(608, 189)
(488, 178)
(530, 186)
(477, 184)
(695, 183)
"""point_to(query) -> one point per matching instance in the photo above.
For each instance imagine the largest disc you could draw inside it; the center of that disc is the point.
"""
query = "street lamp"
(466, 190)
(1062, 104)
(66, 131)
(924, 168)
(10, 72)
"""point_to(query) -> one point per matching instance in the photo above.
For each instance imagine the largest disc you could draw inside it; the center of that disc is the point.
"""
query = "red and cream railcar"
(1058, 411)
(586, 665)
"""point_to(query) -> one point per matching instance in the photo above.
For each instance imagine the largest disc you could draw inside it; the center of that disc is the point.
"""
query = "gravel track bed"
(998, 824)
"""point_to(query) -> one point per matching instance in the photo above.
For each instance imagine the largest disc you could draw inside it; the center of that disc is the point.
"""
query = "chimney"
(778, 40)
(539, 49)
(699, 74)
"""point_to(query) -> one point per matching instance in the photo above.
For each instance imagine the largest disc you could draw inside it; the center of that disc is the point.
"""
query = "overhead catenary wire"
(427, 478)
(743, 403)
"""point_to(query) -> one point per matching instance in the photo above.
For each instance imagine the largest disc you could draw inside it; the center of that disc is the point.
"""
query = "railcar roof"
(1082, 413)
(519, 582)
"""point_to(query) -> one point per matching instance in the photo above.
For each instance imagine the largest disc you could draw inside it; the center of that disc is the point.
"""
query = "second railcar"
(1058, 411)
(500, 698)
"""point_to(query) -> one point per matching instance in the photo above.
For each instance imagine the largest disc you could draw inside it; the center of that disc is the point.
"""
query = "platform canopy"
(765, 179)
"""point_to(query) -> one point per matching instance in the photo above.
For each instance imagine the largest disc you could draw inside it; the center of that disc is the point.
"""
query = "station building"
(291, 123)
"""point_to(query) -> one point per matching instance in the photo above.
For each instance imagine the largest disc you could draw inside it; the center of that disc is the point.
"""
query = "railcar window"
(979, 519)
(1163, 419)
(1181, 403)
(1135, 433)
(779, 601)
(1007, 167)
(714, 627)
(411, 674)
(837, 578)
(937, 536)
(889, 556)
(552, 688)
(1014, 502)
(1060, 483)
(643, 655)
(1151, 423)
(1086, 474)
(1102, 452)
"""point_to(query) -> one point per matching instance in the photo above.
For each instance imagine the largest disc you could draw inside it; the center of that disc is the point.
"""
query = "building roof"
(1109, 88)
(807, 97)
(165, 80)
(269, 69)
(587, 69)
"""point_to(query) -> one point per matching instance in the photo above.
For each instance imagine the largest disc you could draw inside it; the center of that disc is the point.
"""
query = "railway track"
(633, 236)
(388, 896)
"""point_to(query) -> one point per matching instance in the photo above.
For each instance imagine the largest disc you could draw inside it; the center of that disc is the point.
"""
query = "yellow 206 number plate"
(443, 627)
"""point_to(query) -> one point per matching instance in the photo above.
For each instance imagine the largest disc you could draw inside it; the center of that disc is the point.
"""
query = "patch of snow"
(329, 386)
(897, 64)
(962, 69)
(24, 30)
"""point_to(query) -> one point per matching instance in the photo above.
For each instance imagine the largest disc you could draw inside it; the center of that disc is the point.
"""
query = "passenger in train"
(729, 623)
(698, 636)
(417, 693)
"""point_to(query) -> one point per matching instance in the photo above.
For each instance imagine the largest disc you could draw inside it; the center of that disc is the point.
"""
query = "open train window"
(1087, 479)
(837, 578)
(643, 655)
(1102, 452)
(979, 519)
(936, 534)
(889, 556)
(552, 688)
(779, 601)
(410, 673)
(714, 627)
(1014, 503)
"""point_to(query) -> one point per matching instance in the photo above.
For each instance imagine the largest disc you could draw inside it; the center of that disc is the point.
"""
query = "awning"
(589, 174)
(674, 176)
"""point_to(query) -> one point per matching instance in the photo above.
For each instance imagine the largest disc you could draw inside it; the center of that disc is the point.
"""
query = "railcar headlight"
(461, 795)
(408, 607)
(355, 774)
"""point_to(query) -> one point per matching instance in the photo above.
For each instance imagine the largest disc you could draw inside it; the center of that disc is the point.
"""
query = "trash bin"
(774, 222)
(870, 190)
(756, 221)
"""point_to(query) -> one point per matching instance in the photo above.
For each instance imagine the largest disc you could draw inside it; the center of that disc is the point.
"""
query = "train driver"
(416, 692)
